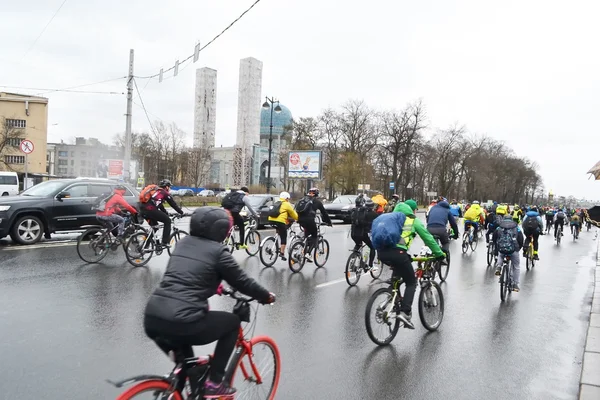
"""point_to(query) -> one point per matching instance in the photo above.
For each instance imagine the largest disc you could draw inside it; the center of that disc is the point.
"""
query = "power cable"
(207, 44)
(80, 86)
(43, 30)
(61, 90)
(143, 106)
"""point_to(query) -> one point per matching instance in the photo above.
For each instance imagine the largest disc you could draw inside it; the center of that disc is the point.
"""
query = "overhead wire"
(43, 30)
(207, 44)
(61, 90)
(143, 105)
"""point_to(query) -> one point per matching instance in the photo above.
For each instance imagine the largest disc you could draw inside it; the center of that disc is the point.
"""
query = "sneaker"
(214, 391)
(283, 257)
(498, 270)
(404, 317)
(242, 247)
(515, 287)
(308, 258)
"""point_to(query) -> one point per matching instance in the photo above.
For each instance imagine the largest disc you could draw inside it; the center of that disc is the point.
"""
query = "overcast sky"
(526, 72)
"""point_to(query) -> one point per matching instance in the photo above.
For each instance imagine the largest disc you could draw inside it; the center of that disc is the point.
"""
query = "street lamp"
(268, 104)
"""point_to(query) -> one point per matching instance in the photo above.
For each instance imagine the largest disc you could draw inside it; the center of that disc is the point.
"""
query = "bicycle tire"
(441, 269)
(490, 254)
(296, 251)
(351, 268)
(321, 250)
(81, 242)
(230, 243)
(474, 244)
(174, 239)
(136, 240)
(423, 303)
(265, 247)
(237, 365)
(254, 237)
(154, 385)
(396, 323)
(377, 268)
(504, 282)
(465, 243)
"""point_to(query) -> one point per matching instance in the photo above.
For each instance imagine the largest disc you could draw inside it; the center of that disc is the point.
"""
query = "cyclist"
(154, 210)
(286, 213)
(517, 213)
(473, 217)
(508, 239)
(363, 216)
(575, 222)
(439, 216)
(549, 218)
(392, 203)
(111, 209)
(455, 209)
(307, 208)
(392, 235)
(234, 201)
(178, 311)
(532, 226)
(559, 221)
(498, 216)
(381, 203)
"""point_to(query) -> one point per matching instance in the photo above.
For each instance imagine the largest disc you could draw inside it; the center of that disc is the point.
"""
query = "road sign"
(392, 185)
(431, 194)
(361, 186)
(367, 186)
(140, 182)
(26, 146)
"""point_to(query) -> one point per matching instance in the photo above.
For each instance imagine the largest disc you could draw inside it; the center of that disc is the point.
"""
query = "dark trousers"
(558, 223)
(217, 326)
(156, 216)
(442, 233)
(359, 239)
(310, 226)
(281, 229)
(401, 264)
(238, 221)
(535, 235)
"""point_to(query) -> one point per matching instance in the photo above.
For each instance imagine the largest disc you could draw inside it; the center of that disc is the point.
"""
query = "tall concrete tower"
(205, 108)
(248, 123)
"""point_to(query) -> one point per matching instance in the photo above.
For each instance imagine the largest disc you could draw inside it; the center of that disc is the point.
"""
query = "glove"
(271, 299)
(441, 257)
(220, 289)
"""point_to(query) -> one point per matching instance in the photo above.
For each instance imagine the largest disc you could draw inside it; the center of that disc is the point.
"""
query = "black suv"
(54, 206)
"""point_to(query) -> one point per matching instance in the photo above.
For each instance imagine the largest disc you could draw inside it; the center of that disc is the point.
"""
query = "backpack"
(100, 203)
(560, 215)
(274, 211)
(387, 230)
(147, 193)
(359, 216)
(304, 206)
(506, 242)
(531, 224)
(233, 201)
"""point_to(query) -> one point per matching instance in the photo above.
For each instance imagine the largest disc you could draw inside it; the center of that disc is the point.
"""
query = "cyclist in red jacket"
(112, 210)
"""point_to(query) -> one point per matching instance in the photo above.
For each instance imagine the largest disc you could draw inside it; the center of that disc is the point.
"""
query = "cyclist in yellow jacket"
(286, 212)
(473, 217)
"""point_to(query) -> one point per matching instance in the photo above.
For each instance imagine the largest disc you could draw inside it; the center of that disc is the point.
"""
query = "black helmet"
(211, 223)
(165, 183)
(314, 190)
(369, 203)
(360, 201)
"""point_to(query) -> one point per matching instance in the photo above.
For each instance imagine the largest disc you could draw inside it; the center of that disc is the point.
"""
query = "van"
(9, 183)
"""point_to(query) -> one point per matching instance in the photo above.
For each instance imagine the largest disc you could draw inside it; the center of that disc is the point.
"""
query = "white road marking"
(40, 246)
(330, 283)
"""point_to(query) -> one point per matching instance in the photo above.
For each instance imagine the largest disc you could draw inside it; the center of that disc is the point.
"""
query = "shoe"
(308, 258)
(404, 317)
(498, 271)
(283, 257)
(516, 287)
(214, 391)
(242, 247)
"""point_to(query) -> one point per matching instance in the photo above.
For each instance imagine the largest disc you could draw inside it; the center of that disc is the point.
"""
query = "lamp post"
(270, 103)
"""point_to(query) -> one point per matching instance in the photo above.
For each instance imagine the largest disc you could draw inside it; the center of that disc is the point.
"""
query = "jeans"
(515, 259)
(238, 221)
(359, 239)
(113, 220)
(217, 326)
(401, 264)
(475, 225)
(156, 216)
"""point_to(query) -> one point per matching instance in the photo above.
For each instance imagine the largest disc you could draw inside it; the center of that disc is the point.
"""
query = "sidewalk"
(590, 374)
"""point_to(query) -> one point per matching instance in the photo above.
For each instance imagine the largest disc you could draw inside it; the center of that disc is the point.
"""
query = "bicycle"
(358, 262)
(575, 232)
(252, 240)
(143, 245)
(529, 256)
(241, 369)
(559, 234)
(439, 268)
(548, 227)
(297, 256)
(469, 240)
(506, 280)
(101, 239)
(388, 307)
(270, 247)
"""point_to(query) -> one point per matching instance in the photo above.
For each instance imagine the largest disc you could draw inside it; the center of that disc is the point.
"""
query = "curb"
(589, 388)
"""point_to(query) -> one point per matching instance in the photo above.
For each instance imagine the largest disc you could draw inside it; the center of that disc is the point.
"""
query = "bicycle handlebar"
(416, 257)
(225, 291)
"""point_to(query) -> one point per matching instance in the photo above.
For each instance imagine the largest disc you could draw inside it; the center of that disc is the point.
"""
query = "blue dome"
(279, 120)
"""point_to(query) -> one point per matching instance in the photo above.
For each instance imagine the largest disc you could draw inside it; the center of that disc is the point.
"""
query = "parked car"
(222, 194)
(261, 203)
(182, 192)
(206, 193)
(54, 206)
(9, 183)
(341, 207)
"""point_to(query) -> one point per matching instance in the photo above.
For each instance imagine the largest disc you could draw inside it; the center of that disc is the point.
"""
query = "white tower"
(248, 123)
(205, 108)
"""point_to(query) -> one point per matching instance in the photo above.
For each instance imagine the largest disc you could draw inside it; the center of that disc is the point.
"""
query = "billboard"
(304, 164)
(109, 168)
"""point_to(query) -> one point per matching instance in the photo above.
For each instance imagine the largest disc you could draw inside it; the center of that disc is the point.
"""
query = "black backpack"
(233, 201)
(531, 224)
(359, 217)
(100, 203)
(274, 211)
(305, 206)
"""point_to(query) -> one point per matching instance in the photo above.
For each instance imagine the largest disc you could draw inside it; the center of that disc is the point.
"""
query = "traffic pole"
(25, 183)
(127, 161)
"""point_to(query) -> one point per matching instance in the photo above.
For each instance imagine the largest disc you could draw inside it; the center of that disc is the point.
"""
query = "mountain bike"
(530, 257)
(251, 376)
(491, 253)
(559, 234)
(358, 262)
(252, 240)
(469, 239)
(143, 245)
(506, 280)
(439, 268)
(385, 304)
(297, 256)
(99, 240)
(270, 247)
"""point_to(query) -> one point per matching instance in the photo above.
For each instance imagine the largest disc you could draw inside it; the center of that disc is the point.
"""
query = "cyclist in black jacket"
(307, 221)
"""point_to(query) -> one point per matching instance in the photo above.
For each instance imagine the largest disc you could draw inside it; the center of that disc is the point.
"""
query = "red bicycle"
(252, 379)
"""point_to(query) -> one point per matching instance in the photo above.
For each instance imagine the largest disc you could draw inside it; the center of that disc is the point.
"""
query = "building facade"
(23, 117)
(85, 158)
(205, 108)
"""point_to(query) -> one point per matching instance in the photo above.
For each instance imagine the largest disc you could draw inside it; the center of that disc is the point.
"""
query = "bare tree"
(198, 166)
(10, 139)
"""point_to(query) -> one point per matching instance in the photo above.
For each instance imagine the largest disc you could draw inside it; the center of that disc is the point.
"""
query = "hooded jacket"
(413, 226)
(196, 268)
(440, 215)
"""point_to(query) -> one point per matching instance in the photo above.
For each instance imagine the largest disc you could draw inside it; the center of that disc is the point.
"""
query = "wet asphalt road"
(67, 326)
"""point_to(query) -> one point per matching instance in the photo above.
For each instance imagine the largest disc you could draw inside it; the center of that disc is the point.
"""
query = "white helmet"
(476, 202)
(284, 195)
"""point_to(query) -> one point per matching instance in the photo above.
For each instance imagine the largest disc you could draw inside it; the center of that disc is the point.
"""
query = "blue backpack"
(387, 230)
(507, 240)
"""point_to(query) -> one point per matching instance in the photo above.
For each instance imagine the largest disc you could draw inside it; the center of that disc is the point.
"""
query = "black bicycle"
(506, 280)
(297, 256)
(358, 262)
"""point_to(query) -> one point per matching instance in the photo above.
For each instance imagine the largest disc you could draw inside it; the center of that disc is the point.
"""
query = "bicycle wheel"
(296, 258)
(377, 319)
(441, 269)
(474, 244)
(140, 249)
(431, 306)
(377, 268)
(490, 254)
(252, 242)
(504, 282)
(465, 243)
(174, 239)
(151, 389)
(321, 252)
(230, 243)
(256, 375)
(92, 245)
(268, 251)
(353, 268)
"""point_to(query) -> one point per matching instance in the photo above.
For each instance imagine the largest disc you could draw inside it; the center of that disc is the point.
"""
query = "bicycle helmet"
(360, 200)
(314, 191)
(165, 183)
(284, 195)
(475, 202)
(211, 223)
(369, 203)
(395, 196)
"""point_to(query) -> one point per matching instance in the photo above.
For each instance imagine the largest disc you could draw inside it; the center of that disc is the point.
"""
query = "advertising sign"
(110, 168)
(304, 164)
